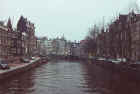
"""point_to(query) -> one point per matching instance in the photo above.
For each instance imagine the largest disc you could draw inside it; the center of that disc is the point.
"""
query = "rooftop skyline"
(71, 18)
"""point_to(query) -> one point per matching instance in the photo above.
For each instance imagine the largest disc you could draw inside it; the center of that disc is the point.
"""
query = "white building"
(61, 47)
(49, 46)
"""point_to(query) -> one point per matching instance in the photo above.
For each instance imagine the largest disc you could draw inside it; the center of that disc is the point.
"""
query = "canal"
(70, 77)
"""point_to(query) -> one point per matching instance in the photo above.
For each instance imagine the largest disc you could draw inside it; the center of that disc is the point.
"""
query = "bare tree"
(133, 6)
(91, 43)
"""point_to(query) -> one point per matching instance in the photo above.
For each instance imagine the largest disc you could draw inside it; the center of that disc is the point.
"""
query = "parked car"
(114, 61)
(100, 59)
(44, 59)
(122, 59)
(25, 60)
(4, 65)
(33, 58)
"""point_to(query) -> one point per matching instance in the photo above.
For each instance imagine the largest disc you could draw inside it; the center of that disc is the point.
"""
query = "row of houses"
(15, 43)
(121, 39)
(22, 42)
(61, 47)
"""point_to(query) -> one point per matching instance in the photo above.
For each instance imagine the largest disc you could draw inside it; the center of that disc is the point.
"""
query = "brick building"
(14, 43)
(121, 39)
(135, 29)
(28, 40)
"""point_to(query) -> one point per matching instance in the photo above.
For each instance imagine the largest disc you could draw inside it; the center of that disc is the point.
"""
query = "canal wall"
(19, 69)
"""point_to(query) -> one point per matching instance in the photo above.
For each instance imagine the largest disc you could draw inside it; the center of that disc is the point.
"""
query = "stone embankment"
(20, 68)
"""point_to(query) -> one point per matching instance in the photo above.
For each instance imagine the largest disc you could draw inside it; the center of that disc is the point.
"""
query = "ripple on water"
(61, 78)
(67, 77)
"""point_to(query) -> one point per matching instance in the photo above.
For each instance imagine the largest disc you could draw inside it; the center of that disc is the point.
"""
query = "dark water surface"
(65, 77)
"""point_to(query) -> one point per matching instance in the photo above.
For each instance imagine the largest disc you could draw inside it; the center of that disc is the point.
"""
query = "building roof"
(4, 28)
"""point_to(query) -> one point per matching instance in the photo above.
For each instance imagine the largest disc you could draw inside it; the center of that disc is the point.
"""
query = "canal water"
(70, 77)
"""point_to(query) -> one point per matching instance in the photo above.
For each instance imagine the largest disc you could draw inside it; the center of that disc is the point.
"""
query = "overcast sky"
(54, 18)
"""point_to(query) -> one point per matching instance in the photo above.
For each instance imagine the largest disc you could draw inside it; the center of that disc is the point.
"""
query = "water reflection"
(108, 81)
(65, 77)
(19, 84)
